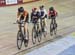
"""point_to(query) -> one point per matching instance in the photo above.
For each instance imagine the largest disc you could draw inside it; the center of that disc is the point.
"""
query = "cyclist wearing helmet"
(52, 14)
(43, 15)
(35, 17)
(22, 15)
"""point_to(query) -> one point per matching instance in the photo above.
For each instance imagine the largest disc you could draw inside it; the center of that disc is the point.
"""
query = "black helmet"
(42, 6)
(51, 8)
(21, 9)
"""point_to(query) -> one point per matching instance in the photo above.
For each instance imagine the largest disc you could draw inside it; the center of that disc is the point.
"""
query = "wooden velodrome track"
(8, 30)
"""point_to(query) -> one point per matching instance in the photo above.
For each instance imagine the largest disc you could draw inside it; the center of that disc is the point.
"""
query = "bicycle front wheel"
(34, 36)
(51, 29)
(19, 40)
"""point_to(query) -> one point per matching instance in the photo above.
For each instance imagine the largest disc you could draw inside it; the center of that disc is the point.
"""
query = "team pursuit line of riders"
(38, 19)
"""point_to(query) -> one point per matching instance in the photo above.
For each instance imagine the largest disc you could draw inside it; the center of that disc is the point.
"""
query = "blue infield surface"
(64, 46)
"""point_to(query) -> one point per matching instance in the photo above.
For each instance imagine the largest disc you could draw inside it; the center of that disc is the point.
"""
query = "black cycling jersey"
(34, 16)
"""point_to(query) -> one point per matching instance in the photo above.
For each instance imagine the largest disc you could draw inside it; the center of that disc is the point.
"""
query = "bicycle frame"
(22, 26)
(23, 36)
(35, 27)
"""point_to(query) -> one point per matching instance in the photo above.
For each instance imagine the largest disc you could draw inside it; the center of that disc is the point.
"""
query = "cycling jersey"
(25, 14)
(52, 13)
(34, 17)
(43, 13)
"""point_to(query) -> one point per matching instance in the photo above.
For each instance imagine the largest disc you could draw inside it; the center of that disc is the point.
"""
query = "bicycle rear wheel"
(19, 40)
(34, 36)
(39, 36)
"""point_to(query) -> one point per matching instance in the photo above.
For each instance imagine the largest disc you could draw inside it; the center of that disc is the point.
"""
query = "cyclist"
(23, 15)
(43, 15)
(52, 14)
(35, 17)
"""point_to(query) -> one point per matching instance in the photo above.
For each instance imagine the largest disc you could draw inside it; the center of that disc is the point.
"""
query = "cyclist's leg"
(26, 25)
(45, 23)
(35, 26)
(52, 26)
(54, 19)
(26, 28)
(27, 18)
(42, 24)
(55, 22)
(55, 27)
(19, 28)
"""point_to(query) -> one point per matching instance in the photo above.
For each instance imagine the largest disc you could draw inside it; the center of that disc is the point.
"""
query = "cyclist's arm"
(24, 18)
(18, 16)
(56, 14)
(44, 14)
(48, 13)
(32, 16)
(25, 15)
(49, 16)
